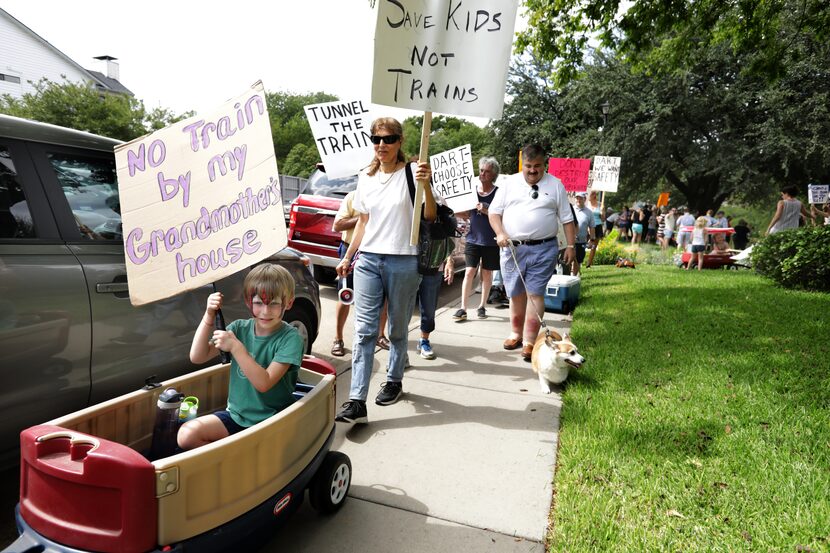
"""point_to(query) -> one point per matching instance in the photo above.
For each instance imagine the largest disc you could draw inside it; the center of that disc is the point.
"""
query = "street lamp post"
(605, 106)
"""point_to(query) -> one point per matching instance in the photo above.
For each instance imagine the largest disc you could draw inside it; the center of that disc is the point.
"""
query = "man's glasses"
(535, 193)
(388, 139)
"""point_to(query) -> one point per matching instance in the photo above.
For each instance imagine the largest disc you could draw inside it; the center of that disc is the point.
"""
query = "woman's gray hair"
(491, 161)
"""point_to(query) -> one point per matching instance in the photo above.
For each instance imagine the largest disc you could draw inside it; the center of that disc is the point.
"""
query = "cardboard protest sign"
(605, 174)
(818, 193)
(573, 172)
(200, 199)
(453, 178)
(448, 57)
(342, 131)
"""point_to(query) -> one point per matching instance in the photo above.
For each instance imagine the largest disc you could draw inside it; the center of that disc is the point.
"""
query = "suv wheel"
(299, 317)
(324, 275)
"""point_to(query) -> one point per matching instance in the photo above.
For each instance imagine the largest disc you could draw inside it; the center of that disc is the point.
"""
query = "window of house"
(9, 78)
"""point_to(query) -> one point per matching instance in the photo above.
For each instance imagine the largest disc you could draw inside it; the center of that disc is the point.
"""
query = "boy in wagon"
(265, 353)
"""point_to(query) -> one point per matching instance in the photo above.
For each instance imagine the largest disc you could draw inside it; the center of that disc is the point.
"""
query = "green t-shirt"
(246, 405)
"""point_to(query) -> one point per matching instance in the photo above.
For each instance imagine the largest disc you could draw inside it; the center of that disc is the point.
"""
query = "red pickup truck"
(311, 217)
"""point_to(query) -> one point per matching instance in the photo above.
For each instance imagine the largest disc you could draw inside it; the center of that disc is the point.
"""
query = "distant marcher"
(721, 220)
(528, 210)
(820, 216)
(670, 226)
(595, 206)
(611, 217)
(710, 217)
(741, 237)
(585, 229)
(481, 248)
(637, 226)
(788, 211)
(699, 239)
(651, 235)
(684, 236)
(624, 222)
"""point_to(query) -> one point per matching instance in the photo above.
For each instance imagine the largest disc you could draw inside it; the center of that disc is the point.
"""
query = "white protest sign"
(605, 174)
(818, 193)
(443, 56)
(453, 178)
(200, 199)
(342, 131)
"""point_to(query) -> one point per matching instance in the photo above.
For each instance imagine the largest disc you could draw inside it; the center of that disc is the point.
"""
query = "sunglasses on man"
(388, 139)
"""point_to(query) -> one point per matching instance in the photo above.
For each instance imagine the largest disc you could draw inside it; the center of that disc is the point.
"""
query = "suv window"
(322, 185)
(15, 218)
(90, 187)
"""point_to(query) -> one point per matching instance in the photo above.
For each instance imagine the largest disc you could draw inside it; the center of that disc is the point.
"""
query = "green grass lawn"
(701, 421)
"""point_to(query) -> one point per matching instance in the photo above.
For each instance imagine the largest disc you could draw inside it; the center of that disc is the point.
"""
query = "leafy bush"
(797, 258)
(608, 249)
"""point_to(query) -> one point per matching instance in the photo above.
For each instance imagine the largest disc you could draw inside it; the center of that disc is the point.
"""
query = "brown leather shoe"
(338, 349)
(527, 352)
(512, 343)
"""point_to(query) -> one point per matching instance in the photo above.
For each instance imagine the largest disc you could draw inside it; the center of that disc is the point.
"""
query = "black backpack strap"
(410, 182)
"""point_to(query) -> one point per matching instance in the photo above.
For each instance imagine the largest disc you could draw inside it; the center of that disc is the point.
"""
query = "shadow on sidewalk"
(535, 416)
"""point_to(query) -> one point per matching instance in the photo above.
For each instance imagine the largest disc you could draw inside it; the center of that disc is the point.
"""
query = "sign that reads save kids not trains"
(342, 131)
(447, 56)
(200, 199)
(452, 178)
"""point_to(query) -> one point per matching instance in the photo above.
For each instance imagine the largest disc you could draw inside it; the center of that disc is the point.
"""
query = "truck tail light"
(292, 221)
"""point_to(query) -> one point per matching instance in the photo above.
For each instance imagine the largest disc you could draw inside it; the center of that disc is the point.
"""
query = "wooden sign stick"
(423, 156)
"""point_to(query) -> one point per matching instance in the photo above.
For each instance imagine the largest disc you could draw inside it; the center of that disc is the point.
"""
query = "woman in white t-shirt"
(387, 269)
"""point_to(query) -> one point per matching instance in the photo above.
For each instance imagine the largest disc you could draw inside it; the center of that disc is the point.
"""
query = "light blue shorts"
(637, 227)
(537, 264)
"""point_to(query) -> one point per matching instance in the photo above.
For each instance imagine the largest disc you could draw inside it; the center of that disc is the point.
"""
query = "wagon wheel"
(330, 485)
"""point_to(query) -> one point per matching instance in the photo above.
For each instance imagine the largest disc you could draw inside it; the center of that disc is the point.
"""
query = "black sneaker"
(460, 315)
(353, 411)
(389, 393)
(481, 313)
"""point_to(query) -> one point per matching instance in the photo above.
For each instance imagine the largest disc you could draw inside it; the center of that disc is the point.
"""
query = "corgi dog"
(552, 358)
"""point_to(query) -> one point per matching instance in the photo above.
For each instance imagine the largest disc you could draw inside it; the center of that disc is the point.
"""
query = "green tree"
(447, 133)
(671, 35)
(81, 106)
(300, 161)
(289, 125)
(708, 134)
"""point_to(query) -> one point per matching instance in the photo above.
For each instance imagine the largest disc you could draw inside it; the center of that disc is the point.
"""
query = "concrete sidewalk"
(463, 462)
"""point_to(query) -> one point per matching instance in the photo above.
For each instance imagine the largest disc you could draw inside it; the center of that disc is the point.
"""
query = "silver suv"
(69, 336)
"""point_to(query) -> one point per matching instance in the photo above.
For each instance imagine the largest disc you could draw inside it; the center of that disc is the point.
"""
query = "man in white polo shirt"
(527, 210)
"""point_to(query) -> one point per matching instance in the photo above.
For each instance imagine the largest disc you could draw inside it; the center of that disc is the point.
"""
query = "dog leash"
(512, 246)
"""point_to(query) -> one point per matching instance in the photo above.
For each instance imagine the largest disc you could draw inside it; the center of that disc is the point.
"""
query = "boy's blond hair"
(269, 282)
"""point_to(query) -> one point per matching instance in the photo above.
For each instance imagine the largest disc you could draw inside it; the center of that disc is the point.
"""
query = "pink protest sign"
(573, 172)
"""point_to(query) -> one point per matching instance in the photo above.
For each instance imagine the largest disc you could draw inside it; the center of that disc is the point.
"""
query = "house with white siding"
(26, 58)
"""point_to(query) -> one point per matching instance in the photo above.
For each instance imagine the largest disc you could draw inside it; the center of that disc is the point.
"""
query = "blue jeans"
(428, 300)
(379, 277)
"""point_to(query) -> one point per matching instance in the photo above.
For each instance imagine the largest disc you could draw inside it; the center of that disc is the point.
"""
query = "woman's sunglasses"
(535, 193)
(388, 139)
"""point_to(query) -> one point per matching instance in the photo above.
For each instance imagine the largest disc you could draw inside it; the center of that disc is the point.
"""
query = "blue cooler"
(562, 293)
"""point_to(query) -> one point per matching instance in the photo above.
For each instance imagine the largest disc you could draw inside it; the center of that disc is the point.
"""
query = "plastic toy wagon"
(712, 260)
(86, 485)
